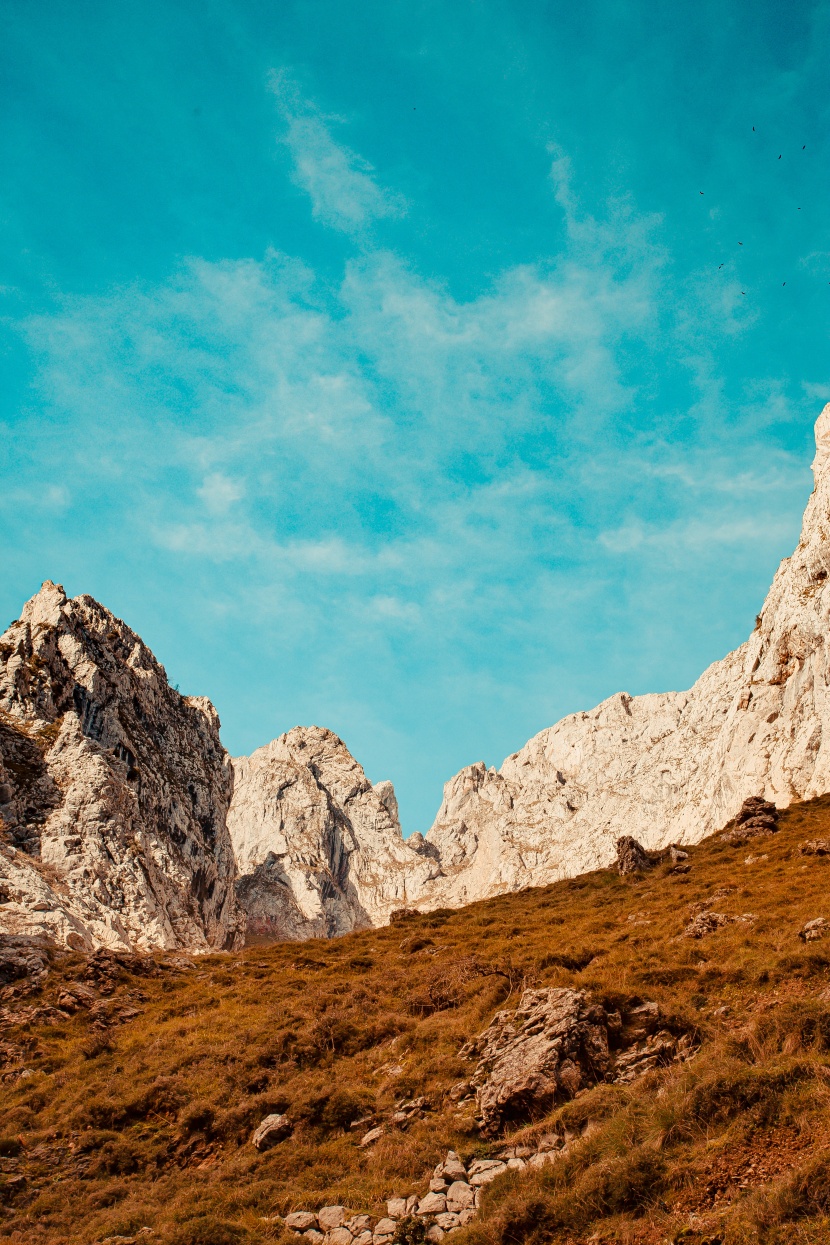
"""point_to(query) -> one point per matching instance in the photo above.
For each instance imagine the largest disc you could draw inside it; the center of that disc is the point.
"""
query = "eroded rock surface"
(319, 849)
(557, 1042)
(665, 768)
(114, 790)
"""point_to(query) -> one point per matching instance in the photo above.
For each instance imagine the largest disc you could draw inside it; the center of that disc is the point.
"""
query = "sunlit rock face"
(114, 790)
(124, 823)
(664, 768)
(319, 849)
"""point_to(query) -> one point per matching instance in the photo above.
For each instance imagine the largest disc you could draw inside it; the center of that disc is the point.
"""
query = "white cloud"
(342, 186)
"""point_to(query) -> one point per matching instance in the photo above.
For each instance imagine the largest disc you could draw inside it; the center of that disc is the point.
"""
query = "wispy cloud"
(344, 191)
(378, 470)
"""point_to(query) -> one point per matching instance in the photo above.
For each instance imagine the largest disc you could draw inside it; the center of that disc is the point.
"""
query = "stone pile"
(451, 1201)
(757, 818)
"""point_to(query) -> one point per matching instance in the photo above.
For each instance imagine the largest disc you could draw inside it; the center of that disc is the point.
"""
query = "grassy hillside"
(140, 1094)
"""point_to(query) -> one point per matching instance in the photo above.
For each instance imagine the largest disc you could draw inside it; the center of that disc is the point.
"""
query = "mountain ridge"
(126, 823)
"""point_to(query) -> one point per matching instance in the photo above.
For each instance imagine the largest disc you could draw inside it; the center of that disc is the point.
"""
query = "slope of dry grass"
(137, 1107)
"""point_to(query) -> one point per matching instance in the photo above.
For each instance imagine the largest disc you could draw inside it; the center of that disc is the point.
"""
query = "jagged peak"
(45, 606)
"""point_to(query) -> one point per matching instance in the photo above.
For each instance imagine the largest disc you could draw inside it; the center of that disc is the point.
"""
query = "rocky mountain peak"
(117, 788)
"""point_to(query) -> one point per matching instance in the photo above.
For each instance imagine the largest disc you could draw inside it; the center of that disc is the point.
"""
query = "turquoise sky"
(422, 370)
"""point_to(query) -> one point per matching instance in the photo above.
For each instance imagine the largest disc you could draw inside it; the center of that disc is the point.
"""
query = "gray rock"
(814, 929)
(490, 1173)
(396, 1206)
(386, 1227)
(372, 1136)
(432, 1204)
(460, 1196)
(631, 856)
(331, 1217)
(273, 1128)
(554, 1043)
(300, 1220)
(338, 1236)
(815, 847)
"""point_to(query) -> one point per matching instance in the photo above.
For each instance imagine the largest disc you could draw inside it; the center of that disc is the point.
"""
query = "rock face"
(114, 790)
(557, 1042)
(319, 849)
(664, 768)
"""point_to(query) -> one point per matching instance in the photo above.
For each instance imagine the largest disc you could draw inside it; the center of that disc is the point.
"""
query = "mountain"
(319, 849)
(114, 790)
(668, 767)
(123, 822)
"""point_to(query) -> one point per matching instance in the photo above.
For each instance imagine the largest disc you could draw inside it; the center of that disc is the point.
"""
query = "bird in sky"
(740, 244)
(719, 267)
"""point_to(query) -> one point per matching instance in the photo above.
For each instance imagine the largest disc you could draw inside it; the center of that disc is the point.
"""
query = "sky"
(424, 371)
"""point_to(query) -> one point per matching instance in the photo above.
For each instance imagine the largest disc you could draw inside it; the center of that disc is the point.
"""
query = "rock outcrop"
(665, 768)
(557, 1042)
(114, 790)
(319, 849)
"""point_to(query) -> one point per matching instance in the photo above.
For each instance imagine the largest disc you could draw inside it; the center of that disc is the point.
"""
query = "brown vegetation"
(131, 1086)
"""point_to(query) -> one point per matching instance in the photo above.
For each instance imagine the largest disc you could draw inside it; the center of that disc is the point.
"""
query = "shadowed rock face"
(663, 768)
(114, 789)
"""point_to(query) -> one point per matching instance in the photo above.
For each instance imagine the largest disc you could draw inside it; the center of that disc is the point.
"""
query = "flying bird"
(744, 293)
(740, 244)
(719, 267)
(779, 157)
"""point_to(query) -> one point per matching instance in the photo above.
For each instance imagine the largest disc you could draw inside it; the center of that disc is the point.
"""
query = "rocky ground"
(568, 1064)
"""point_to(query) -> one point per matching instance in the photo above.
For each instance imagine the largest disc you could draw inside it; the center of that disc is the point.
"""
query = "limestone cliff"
(114, 790)
(669, 767)
(319, 849)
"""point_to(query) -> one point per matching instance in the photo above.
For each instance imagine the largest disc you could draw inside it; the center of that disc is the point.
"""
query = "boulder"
(432, 1204)
(452, 1167)
(631, 856)
(386, 1227)
(553, 1044)
(273, 1128)
(374, 1134)
(459, 1196)
(396, 1208)
(339, 1236)
(487, 1172)
(300, 1220)
(331, 1217)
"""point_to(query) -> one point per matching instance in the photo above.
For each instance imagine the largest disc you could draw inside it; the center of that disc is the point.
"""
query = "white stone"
(432, 1204)
(338, 1236)
(331, 1217)
(396, 1208)
(460, 1196)
(300, 1220)
(386, 1227)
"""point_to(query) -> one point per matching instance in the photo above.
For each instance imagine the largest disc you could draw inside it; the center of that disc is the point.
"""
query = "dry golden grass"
(127, 1121)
